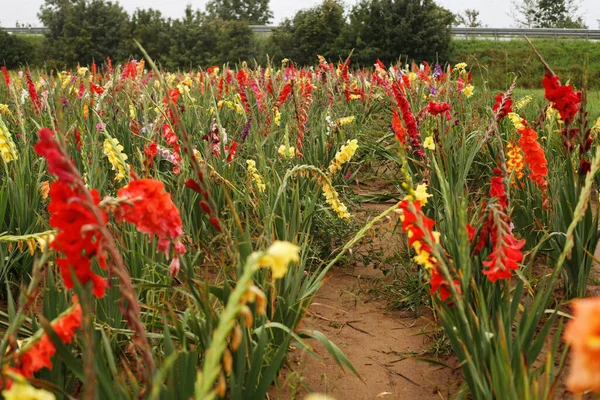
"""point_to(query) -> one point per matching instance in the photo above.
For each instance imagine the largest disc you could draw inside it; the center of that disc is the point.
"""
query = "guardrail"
(481, 33)
(498, 33)
(27, 31)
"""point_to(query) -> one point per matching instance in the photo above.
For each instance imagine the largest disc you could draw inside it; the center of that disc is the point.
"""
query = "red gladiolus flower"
(231, 150)
(151, 210)
(534, 156)
(96, 89)
(169, 134)
(504, 258)
(193, 185)
(39, 355)
(205, 207)
(497, 188)
(129, 70)
(242, 79)
(58, 163)
(409, 121)
(150, 152)
(77, 138)
(6, 76)
(471, 232)
(565, 100)
(439, 108)
(32, 93)
(174, 95)
(109, 64)
(406, 81)
(506, 108)
(506, 253)
(398, 127)
(438, 283)
(283, 95)
(215, 223)
(419, 229)
(77, 238)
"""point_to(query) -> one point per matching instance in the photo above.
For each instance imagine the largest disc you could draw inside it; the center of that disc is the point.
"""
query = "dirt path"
(373, 338)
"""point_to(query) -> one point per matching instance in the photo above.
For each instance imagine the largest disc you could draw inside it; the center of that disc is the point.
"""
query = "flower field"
(163, 234)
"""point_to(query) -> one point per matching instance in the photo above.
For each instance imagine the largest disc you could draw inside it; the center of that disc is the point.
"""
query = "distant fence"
(467, 33)
(27, 31)
(512, 33)
(496, 33)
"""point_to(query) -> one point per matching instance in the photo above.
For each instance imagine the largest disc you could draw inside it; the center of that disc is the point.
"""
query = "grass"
(496, 62)
(593, 105)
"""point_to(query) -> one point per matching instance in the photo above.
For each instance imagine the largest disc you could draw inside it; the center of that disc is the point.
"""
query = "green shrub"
(16, 50)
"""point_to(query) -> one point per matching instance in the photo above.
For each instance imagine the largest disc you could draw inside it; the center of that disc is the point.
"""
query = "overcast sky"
(494, 13)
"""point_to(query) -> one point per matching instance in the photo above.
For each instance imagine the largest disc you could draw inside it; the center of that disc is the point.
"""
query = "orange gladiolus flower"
(583, 335)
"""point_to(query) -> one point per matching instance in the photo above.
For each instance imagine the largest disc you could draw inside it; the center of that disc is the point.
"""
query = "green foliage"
(256, 12)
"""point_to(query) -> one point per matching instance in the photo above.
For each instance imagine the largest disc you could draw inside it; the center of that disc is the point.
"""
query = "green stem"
(212, 360)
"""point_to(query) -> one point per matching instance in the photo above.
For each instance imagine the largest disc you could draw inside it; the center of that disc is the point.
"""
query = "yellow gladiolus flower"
(596, 128)
(343, 156)
(333, 199)
(8, 149)
(346, 120)
(428, 143)
(277, 118)
(131, 112)
(460, 66)
(255, 176)
(468, 90)
(516, 120)
(20, 390)
(523, 102)
(114, 151)
(278, 256)
(3, 108)
(421, 194)
(286, 152)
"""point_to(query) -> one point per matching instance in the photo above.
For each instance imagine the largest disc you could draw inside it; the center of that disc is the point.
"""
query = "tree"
(312, 32)
(469, 18)
(200, 41)
(255, 12)
(192, 40)
(548, 14)
(81, 31)
(153, 32)
(389, 29)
